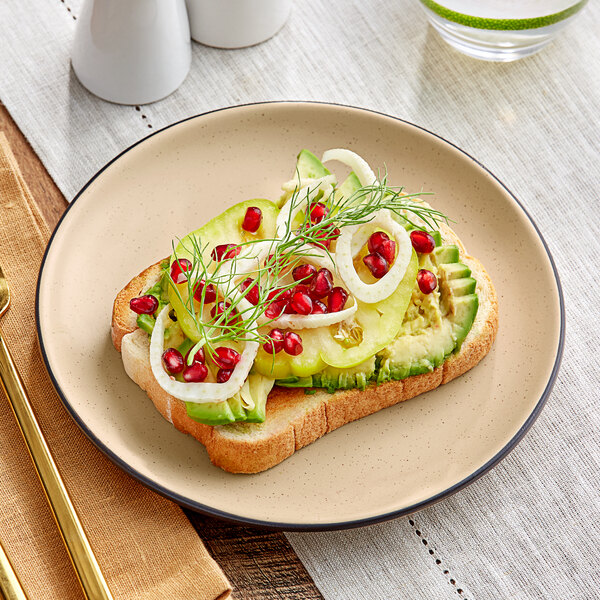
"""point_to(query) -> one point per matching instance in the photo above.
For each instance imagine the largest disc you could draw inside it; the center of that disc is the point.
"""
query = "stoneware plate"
(389, 464)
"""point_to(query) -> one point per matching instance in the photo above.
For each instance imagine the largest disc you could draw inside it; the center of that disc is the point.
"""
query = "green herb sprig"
(239, 323)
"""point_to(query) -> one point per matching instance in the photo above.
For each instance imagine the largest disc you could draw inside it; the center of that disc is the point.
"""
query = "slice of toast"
(294, 419)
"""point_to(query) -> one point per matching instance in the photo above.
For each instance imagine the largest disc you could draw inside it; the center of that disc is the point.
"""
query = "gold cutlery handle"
(87, 569)
(10, 586)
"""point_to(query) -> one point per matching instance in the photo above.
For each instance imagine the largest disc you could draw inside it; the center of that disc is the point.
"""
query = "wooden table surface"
(260, 564)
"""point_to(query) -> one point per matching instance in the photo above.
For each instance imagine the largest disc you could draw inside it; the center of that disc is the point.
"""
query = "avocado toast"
(327, 349)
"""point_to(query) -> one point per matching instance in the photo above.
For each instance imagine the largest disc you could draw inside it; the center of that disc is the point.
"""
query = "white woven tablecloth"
(529, 528)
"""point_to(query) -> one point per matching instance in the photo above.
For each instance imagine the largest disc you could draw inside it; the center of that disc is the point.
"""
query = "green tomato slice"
(225, 228)
(372, 328)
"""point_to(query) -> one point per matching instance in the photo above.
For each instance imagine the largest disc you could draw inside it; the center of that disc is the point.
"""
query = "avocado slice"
(438, 334)
(211, 413)
(309, 166)
(349, 186)
(335, 379)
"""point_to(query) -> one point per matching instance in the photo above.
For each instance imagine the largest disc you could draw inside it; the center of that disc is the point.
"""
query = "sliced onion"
(286, 321)
(346, 249)
(297, 183)
(306, 194)
(200, 393)
(357, 163)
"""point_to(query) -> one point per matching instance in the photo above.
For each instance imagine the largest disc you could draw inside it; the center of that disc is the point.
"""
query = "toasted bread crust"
(294, 419)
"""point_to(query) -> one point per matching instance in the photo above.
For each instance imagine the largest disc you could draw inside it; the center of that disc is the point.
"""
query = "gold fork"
(73, 535)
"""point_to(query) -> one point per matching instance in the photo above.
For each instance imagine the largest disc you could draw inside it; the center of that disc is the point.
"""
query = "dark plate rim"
(215, 512)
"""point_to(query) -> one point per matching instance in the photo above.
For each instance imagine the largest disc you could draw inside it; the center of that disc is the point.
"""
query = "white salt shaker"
(236, 23)
(132, 51)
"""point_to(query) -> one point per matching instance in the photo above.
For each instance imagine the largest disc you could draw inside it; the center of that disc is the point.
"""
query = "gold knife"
(73, 535)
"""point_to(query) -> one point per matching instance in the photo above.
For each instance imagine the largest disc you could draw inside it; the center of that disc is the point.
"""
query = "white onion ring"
(357, 163)
(297, 183)
(199, 393)
(306, 195)
(346, 250)
(286, 321)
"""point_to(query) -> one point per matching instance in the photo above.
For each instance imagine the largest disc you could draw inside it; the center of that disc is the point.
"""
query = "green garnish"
(240, 323)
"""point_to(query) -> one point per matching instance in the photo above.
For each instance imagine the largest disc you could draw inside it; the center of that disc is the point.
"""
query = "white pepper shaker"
(132, 51)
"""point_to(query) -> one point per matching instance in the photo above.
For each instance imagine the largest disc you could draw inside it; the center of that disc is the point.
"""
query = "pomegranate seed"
(275, 309)
(253, 294)
(195, 373)
(226, 358)
(210, 295)
(387, 249)
(322, 284)
(179, 269)
(252, 219)
(172, 361)
(225, 251)
(337, 299)
(144, 305)
(377, 264)
(324, 239)
(335, 233)
(304, 273)
(301, 302)
(275, 343)
(220, 308)
(292, 343)
(422, 242)
(280, 295)
(198, 357)
(318, 308)
(427, 281)
(376, 240)
(224, 375)
(271, 263)
(318, 212)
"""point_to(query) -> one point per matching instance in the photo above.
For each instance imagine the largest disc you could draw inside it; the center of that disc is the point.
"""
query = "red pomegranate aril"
(376, 240)
(304, 273)
(225, 251)
(292, 343)
(387, 249)
(422, 241)
(144, 305)
(318, 308)
(224, 375)
(376, 264)
(253, 293)
(324, 241)
(280, 295)
(302, 302)
(337, 299)
(275, 309)
(198, 357)
(219, 308)
(172, 361)
(252, 219)
(275, 343)
(210, 295)
(226, 358)
(271, 263)
(195, 373)
(322, 284)
(318, 212)
(179, 269)
(426, 281)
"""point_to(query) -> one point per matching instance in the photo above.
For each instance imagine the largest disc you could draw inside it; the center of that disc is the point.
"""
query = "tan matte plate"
(387, 464)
